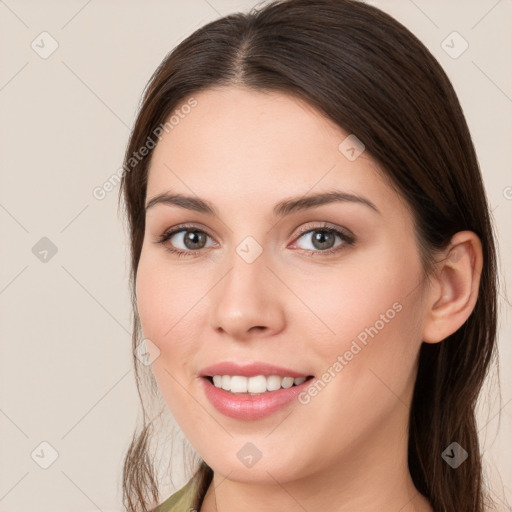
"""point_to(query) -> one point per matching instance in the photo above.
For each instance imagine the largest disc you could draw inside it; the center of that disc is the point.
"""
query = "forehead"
(248, 144)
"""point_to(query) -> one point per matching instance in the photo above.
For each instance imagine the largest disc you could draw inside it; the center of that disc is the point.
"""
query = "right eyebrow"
(187, 202)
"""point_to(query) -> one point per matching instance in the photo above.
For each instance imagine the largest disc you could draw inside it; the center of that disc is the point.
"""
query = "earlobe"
(454, 290)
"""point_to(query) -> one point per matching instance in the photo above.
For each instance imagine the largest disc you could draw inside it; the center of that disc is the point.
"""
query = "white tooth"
(238, 384)
(226, 382)
(254, 385)
(257, 384)
(287, 382)
(273, 383)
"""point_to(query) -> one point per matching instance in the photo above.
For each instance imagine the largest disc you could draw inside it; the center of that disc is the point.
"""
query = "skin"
(346, 450)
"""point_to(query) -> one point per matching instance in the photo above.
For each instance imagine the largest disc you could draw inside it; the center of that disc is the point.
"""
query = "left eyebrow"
(281, 209)
(311, 201)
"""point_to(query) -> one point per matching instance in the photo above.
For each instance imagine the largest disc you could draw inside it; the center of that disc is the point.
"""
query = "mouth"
(255, 385)
(252, 390)
(255, 397)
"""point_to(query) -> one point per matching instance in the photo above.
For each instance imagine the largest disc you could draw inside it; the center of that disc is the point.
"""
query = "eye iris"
(194, 237)
(320, 236)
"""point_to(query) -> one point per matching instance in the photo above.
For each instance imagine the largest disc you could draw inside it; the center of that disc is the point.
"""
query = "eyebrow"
(281, 209)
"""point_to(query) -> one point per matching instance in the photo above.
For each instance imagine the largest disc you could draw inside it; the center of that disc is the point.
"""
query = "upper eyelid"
(180, 228)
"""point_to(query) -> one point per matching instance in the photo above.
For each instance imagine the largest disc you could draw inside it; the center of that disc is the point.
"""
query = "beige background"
(66, 376)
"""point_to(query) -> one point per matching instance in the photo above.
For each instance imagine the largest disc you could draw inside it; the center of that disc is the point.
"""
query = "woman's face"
(266, 291)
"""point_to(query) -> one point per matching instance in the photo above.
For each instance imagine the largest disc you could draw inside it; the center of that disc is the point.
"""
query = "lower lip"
(247, 407)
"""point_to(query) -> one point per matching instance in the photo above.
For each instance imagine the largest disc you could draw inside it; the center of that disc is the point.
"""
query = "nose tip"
(245, 304)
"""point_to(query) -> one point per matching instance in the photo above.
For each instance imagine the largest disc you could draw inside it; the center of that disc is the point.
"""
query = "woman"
(313, 267)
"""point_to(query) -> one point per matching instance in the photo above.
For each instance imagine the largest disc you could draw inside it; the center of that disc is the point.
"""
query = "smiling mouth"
(257, 385)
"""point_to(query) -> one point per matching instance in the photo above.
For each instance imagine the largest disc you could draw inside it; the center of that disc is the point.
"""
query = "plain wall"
(66, 374)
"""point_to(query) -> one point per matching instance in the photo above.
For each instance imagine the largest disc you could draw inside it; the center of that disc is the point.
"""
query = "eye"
(324, 238)
(191, 239)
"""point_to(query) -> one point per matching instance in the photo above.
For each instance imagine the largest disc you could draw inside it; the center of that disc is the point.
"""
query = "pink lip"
(248, 370)
(247, 407)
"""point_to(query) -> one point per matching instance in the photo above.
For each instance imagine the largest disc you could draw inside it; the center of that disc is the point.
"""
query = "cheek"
(368, 364)
(169, 317)
(152, 303)
(164, 297)
(365, 299)
(372, 312)
(163, 303)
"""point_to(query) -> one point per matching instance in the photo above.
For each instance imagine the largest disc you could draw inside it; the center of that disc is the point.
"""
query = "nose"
(245, 304)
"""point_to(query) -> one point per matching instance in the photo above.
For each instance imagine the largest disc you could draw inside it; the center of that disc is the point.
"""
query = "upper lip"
(249, 370)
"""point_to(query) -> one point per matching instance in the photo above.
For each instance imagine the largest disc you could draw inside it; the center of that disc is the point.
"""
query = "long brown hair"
(375, 79)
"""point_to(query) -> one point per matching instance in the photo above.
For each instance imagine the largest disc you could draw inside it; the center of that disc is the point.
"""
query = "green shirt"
(184, 500)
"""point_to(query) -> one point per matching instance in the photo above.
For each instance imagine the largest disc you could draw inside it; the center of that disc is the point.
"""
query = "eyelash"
(345, 237)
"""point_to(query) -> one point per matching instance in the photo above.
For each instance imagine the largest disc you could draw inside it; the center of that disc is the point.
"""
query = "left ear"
(454, 288)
